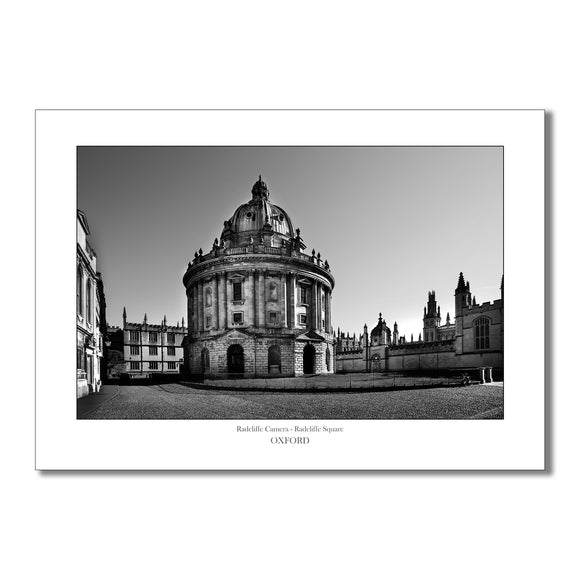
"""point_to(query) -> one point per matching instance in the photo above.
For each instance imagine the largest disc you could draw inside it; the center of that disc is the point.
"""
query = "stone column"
(261, 303)
(198, 313)
(214, 302)
(227, 298)
(318, 306)
(282, 299)
(249, 283)
(222, 298)
(290, 298)
(192, 308)
(264, 303)
(201, 300)
(325, 304)
(256, 298)
(313, 307)
(328, 311)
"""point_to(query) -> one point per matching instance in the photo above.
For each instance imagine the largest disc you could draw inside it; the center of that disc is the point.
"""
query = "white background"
(513, 443)
(405, 525)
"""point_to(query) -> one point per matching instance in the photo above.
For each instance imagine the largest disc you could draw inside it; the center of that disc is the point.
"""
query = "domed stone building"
(257, 304)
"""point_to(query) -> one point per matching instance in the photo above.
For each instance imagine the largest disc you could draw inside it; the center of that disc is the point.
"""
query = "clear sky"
(393, 222)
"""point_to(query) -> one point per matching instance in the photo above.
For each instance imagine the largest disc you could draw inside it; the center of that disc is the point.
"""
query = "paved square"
(180, 401)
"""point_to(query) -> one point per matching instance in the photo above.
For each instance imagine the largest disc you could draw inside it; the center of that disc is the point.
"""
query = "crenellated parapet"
(438, 345)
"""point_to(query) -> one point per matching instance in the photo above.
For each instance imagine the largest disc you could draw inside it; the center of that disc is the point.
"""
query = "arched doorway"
(328, 359)
(205, 360)
(274, 359)
(236, 359)
(309, 357)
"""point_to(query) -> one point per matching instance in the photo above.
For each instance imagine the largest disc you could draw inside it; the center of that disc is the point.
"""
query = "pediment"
(236, 333)
(310, 336)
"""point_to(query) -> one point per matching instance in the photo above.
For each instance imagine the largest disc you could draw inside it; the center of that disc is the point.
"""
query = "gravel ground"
(176, 401)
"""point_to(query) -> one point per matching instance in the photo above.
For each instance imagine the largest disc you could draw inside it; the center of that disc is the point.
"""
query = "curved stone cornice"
(285, 264)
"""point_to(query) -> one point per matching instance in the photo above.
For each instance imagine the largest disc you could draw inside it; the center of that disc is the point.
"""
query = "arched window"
(89, 301)
(327, 358)
(79, 290)
(482, 333)
(208, 296)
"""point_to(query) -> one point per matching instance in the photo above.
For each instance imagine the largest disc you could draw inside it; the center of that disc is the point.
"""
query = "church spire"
(462, 295)
(460, 284)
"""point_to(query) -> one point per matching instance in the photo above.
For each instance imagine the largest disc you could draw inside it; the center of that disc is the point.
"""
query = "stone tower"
(462, 303)
(431, 319)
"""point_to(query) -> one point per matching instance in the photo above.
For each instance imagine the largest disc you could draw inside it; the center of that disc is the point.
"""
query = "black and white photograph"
(290, 282)
(289, 290)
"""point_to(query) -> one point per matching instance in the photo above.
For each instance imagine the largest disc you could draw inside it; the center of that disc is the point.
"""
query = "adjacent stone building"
(473, 342)
(89, 317)
(257, 304)
(149, 349)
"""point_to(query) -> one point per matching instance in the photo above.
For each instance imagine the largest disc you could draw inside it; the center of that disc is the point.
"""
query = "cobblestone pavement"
(177, 401)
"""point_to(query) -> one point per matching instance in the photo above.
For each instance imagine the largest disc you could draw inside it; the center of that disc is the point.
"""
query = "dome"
(259, 214)
(380, 327)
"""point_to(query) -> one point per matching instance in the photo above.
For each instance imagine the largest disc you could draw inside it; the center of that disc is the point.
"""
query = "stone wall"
(351, 362)
(256, 351)
(320, 357)
(438, 360)
(419, 356)
(256, 355)
(491, 310)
